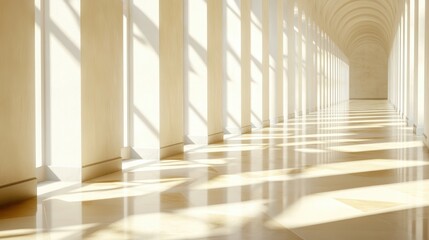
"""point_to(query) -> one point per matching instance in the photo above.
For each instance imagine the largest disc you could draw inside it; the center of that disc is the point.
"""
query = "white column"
(259, 63)
(237, 66)
(336, 74)
(406, 65)
(83, 64)
(313, 62)
(63, 88)
(298, 59)
(203, 71)
(304, 64)
(285, 59)
(157, 78)
(426, 86)
(324, 70)
(17, 111)
(291, 58)
(319, 70)
(276, 61)
(101, 56)
(39, 83)
(280, 65)
(330, 73)
(420, 74)
(310, 66)
(410, 62)
(401, 68)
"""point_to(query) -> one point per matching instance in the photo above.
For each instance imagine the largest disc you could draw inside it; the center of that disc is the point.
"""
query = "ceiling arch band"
(351, 23)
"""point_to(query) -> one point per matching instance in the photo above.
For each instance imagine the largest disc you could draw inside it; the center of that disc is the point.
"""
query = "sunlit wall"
(317, 70)
(407, 63)
(17, 118)
(144, 76)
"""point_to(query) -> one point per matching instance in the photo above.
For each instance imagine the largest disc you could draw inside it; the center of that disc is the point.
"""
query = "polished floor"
(355, 171)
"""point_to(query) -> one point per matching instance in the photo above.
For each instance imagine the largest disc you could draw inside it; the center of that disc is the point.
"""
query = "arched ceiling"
(351, 23)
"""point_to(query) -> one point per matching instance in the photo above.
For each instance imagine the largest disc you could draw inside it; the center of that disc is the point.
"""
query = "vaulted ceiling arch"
(353, 22)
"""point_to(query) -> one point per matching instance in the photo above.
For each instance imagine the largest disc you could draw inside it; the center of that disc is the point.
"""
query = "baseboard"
(41, 174)
(126, 153)
(242, 130)
(265, 123)
(83, 173)
(157, 153)
(61, 173)
(99, 169)
(18, 191)
(205, 140)
(276, 120)
(260, 125)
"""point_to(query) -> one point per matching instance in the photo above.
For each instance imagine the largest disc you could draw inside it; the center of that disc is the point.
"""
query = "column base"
(209, 139)
(83, 173)
(56, 173)
(241, 130)
(157, 153)
(41, 174)
(99, 169)
(277, 120)
(126, 153)
(418, 130)
(18, 191)
(260, 125)
(409, 122)
(425, 140)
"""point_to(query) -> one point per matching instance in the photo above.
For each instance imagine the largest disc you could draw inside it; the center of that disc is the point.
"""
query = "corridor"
(352, 171)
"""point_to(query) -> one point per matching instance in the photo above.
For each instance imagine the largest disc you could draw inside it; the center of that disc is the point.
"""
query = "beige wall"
(215, 42)
(62, 82)
(83, 82)
(101, 80)
(260, 63)
(171, 72)
(237, 58)
(156, 81)
(17, 128)
(203, 71)
(275, 61)
(368, 72)
(290, 57)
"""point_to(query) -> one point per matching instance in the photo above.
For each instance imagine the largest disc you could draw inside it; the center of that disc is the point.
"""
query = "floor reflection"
(354, 171)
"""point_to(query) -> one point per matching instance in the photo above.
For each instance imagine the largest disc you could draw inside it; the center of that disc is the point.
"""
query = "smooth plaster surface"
(203, 71)
(17, 109)
(275, 39)
(237, 57)
(157, 61)
(259, 63)
(364, 30)
(83, 52)
(368, 72)
(101, 80)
